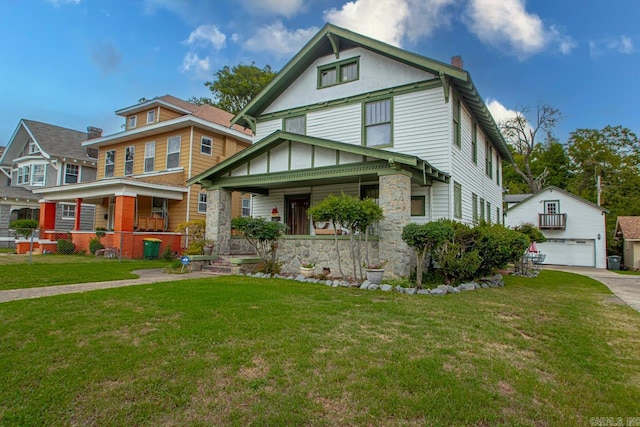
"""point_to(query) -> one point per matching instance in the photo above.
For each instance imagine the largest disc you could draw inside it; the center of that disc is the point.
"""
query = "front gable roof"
(628, 227)
(332, 40)
(418, 167)
(549, 189)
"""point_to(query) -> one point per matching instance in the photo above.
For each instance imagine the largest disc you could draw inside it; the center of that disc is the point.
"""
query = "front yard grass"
(556, 350)
(49, 270)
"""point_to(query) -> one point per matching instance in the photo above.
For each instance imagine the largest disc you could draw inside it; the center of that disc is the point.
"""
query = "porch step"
(222, 265)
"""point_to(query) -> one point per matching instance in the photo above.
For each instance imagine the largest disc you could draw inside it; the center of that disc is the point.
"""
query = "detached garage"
(574, 227)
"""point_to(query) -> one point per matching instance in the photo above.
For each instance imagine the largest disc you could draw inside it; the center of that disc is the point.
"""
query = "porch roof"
(112, 187)
(375, 162)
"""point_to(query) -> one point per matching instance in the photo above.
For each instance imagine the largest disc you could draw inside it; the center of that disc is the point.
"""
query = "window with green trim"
(498, 171)
(418, 205)
(488, 161)
(456, 123)
(489, 212)
(481, 216)
(498, 219)
(474, 206)
(474, 144)
(457, 200)
(377, 122)
(297, 124)
(338, 72)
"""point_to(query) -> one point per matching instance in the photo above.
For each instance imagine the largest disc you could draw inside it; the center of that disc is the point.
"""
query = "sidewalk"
(153, 275)
(625, 286)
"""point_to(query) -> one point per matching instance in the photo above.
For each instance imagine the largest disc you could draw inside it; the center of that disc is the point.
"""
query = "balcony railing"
(552, 221)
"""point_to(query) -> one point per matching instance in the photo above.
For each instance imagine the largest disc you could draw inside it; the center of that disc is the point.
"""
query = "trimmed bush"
(24, 227)
(66, 247)
(95, 245)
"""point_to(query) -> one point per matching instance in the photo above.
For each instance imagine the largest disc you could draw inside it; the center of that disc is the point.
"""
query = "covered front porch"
(287, 173)
(128, 210)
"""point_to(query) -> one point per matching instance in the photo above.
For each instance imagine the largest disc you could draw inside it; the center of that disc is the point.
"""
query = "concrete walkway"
(625, 286)
(153, 275)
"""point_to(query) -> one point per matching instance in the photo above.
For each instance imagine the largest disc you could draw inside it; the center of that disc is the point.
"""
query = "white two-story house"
(349, 113)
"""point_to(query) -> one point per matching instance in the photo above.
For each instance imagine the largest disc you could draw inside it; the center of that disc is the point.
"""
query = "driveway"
(625, 286)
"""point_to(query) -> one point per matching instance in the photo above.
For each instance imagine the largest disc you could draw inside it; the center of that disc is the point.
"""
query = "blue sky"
(74, 62)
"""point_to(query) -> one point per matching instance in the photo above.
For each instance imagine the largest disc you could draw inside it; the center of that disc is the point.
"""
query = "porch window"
(159, 207)
(68, 211)
(474, 206)
(246, 206)
(128, 160)
(202, 203)
(378, 123)
(149, 156)
(109, 163)
(133, 121)
(38, 175)
(457, 200)
(71, 173)
(206, 146)
(296, 125)
(151, 116)
(418, 205)
(173, 152)
(474, 144)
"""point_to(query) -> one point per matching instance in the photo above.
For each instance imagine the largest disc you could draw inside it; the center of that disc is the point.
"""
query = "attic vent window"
(338, 72)
(33, 147)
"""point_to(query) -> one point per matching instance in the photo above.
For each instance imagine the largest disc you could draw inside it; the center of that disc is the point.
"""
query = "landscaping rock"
(410, 291)
(423, 292)
(485, 286)
(467, 286)
(400, 289)
(336, 283)
(386, 288)
(301, 278)
(365, 284)
(455, 290)
(373, 287)
(438, 291)
(328, 282)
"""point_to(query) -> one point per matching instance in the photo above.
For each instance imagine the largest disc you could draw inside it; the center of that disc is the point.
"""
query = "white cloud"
(620, 44)
(287, 8)
(205, 34)
(277, 39)
(507, 24)
(193, 63)
(499, 112)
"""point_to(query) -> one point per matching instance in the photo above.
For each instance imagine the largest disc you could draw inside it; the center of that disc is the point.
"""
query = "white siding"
(346, 158)
(324, 157)
(300, 156)
(442, 200)
(376, 72)
(422, 127)
(279, 158)
(259, 165)
(341, 124)
(264, 129)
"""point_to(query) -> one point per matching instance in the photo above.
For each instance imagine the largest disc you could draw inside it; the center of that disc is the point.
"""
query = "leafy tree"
(233, 87)
(498, 246)
(523, 136)
(264, 236)
(425, 238)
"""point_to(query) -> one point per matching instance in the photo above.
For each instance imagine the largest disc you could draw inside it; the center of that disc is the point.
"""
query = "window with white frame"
(68, 211)
(173, 152)
(23, 174)
(296, 125)
(378, 123)
(109, 163)
(151, 116)
(246, 206)
(206, 146)
(33, 147)
(149, 156)
(551, 207)
(133, 121)
(37, 177)
(71, 174)
(202, 202)
(128, 160)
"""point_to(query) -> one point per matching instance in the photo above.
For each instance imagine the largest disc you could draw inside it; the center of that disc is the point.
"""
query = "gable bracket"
(334, 45)
(251, 121)
(445, 86)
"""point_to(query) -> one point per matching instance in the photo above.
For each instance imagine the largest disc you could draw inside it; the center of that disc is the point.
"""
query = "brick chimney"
(93, 132)
(456, 61)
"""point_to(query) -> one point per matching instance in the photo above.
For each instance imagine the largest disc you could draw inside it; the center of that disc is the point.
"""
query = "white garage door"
(569, 252)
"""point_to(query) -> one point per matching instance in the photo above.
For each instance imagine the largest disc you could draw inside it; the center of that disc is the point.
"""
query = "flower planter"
(374, 275)
(307, 271)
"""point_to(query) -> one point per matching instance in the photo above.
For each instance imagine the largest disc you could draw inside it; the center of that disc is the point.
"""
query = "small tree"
(264, 236)
(196, 231)
(531, 231)
(24, 227)
(498, 246)
(425, 238)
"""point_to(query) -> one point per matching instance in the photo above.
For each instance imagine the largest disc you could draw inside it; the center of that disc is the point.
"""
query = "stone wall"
(219, 220)
(395, 201)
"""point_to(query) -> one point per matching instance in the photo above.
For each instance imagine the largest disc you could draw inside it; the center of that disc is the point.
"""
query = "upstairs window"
(489, 212)
(296, 125)
(149, 156)
(109, 163)
(481, 209)
(133, 121)
(26, 172)
(38, 175)
(489, 160)
(474, 144)
(551, 207)
(378, 123)
(456, 124)
(474, 206)
(338, 72)
(71, 173)
(128, 160)
(173, 152)
(151, 116)
(206, 146)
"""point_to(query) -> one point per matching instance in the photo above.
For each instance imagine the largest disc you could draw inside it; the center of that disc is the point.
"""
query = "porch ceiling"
(111, 187)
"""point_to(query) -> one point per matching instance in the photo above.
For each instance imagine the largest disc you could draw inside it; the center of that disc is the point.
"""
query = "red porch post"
(76, 225)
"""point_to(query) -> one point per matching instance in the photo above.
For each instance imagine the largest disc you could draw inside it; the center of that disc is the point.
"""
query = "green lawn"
(550, 351)
(48, 270)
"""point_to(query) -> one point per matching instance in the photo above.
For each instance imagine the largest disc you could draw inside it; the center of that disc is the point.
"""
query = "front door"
(296, 217)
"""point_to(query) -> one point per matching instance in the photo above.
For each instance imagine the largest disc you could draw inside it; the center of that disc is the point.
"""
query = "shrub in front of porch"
(264, 236)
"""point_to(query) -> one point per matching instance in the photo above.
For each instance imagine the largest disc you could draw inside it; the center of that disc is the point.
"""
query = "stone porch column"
(219, 220)
(395, 201)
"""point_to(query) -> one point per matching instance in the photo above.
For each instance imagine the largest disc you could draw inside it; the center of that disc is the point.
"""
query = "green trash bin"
(614, 262)
(151, 248)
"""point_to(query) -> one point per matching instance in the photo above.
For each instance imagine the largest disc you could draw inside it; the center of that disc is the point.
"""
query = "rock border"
(494, 281)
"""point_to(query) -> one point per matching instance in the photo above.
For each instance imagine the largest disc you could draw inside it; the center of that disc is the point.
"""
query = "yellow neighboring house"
(141, 190)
